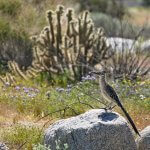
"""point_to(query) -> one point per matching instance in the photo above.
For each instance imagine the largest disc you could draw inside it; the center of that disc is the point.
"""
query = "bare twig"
(59, 110)
(90, 96)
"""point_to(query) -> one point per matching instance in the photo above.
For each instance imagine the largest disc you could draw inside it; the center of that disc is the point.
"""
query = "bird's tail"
(129, 119)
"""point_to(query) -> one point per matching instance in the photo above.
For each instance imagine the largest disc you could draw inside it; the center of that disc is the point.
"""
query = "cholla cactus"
(69, 44)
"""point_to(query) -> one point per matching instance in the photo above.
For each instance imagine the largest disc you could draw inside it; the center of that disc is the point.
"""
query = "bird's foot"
(112, 107)
(105, 108)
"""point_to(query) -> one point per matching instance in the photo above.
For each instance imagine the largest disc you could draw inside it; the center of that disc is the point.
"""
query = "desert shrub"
(129, 63)
(35, 2)
(115, 27)
(4, 29)
(10, 7)
(3, 67)
(113, 8)
(14, 45)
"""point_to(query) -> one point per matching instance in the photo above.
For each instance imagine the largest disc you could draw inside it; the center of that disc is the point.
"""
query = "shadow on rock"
(108, 116)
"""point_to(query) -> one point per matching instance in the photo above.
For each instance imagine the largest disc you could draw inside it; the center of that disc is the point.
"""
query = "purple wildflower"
(26, 90)
(17, 88)
(31, 95)
(31, 89)
(7, 83)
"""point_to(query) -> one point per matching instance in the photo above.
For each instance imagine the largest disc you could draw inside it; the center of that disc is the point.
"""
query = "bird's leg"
(108, 106)
(112, 107)
(105, 106)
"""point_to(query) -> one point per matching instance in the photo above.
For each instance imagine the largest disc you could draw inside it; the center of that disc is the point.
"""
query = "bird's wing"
(111, 92)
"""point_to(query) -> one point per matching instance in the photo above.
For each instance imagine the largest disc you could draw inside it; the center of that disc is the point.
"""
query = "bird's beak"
(97, 73)
(94, 72)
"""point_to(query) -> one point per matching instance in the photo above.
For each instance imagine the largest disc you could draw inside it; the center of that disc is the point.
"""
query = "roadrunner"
(110, 95)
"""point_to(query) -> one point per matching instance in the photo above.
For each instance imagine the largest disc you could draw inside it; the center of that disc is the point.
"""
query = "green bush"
(4, 29)
(146, 2)
(10, 7)
(14, 45)
(113, 8)
(115, 27)
(24, 136)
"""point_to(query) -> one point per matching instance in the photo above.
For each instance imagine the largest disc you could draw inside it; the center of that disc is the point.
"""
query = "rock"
(3, 146)
(93, 130)
(145, 46)
(143, 142)
(119, 44)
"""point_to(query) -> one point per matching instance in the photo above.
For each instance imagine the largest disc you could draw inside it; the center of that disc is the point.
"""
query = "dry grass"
(31, 16)
(139, 16)
(139, 116)
(9, 118)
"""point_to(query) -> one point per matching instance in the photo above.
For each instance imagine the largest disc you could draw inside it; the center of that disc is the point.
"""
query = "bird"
(111, 96)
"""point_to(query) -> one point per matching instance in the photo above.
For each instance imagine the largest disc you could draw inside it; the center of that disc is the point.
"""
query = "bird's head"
(99, 73)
